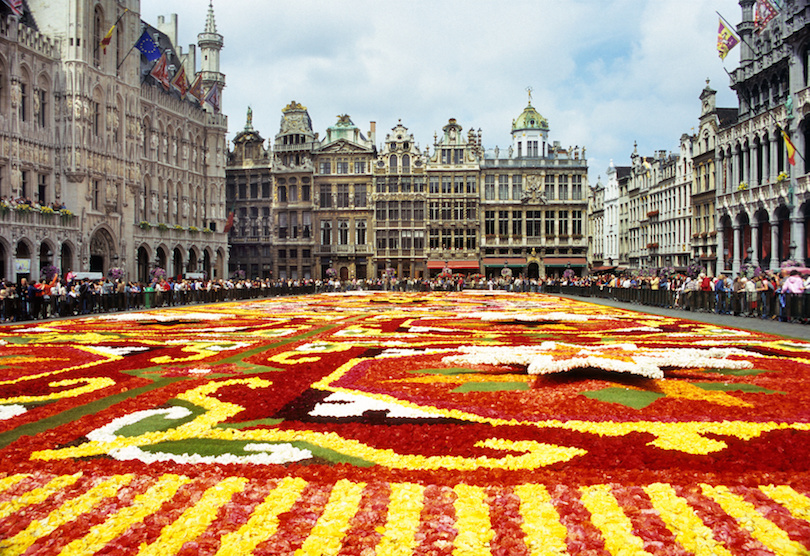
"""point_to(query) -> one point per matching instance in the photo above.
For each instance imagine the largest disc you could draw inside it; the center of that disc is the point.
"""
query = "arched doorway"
(783, 246)
(65, 259)
(102, 249)
(207, 264)
(177, 263)
(3, 262)
(143, 264)
(46, 262)
(533, 271)
(22, 261)
(160, 258)
(763, 247)
(192, 260)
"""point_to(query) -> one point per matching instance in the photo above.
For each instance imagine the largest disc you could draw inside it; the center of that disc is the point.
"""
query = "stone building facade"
(368, 212)
(139, 170)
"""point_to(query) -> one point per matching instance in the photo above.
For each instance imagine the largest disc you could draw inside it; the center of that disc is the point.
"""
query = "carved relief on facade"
(16, 94)
(153, 204)
(185, 207)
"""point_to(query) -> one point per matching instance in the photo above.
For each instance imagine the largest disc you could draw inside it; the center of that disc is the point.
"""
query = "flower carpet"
(375, 423)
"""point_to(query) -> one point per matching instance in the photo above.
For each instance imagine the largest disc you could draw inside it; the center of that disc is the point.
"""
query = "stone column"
(755, 244)
(721, 262)
(753, 162)
(736, 262)
(774, 243)
(797, 235)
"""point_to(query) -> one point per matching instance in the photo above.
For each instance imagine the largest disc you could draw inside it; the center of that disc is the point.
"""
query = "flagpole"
(734, 27)
(117, 21)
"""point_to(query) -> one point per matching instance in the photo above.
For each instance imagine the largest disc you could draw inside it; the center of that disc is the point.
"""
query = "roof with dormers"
(530, 119)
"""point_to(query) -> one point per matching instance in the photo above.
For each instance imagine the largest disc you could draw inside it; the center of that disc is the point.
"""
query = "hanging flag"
(180, 83)
(15, 5)
(214, 98)
(161, 72)
(229, 223)
(726, 40)
(763, 13)
(196, 90)
(105, 42)
(791, 150)
(148, 47)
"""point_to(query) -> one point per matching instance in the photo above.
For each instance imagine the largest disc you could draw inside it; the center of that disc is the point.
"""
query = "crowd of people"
(774, 295)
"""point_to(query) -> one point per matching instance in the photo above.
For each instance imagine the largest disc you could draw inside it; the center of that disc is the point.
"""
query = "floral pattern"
(395, 423)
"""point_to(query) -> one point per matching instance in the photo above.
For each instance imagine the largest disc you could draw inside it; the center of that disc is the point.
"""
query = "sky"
(604, 73)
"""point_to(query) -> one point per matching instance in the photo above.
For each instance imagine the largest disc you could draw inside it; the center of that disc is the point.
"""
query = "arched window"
(392, 163)
(98, 34)
(406, 163)
(25, 93)
(41, 105)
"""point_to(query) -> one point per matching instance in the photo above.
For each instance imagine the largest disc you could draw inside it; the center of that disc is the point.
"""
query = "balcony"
(33, 217)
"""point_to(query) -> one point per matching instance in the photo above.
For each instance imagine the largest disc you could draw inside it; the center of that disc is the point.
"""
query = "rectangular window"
(343, 195)
(405, 185)
(407, 239)
(517, 187)
(562, 219)
(382, 239)
(406, 211)
(576, 222)
(471, 240)
(489, 188)
(549, 222)
(433, 186)
(458, 185)
(446, 185)
(472, 185)
(381, 210)
(342, 166)
(563, 188)
(283, 225)
(393, 210)
(359, 166)
(265, 190)
(419, 239)
(326, 167)
(294, 225)
(447, 156)
(96, 200)
(517, 223)
(393, 239)
(458, 240)
(576, 188)
(305, 192)
(306, 222)
(418, 211)
(42, 115)
(472, 212)
(292, 193)
(434, 239)
(393, 184)
(433, 210)
(419, 185)
(458, 210)
(550, 188)
(489, 222)
(243, 191)
(42, 192)
(326, 196)
(503, 223)
(254, 190)
(533, 223)
(379, 185)
(458, 156)
(503, 188)
(447, 210)
(360, 195)
(447, 239)
(360, 232)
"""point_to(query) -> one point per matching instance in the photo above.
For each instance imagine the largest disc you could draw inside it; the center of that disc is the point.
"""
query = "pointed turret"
(210, 43)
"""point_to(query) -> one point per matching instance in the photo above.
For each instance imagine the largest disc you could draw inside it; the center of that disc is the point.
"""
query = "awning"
(565, 261)
(510, 261)
(602, 268)
(454, 264)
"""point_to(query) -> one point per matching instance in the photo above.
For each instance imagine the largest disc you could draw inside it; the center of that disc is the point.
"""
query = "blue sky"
(605, 73)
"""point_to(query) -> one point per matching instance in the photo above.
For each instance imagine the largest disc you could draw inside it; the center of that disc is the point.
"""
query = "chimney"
(372, 132)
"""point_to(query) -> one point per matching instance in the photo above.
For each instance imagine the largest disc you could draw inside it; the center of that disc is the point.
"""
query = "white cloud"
(604, 73)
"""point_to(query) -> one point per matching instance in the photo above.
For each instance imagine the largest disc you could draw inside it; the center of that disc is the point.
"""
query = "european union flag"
(148, 47)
